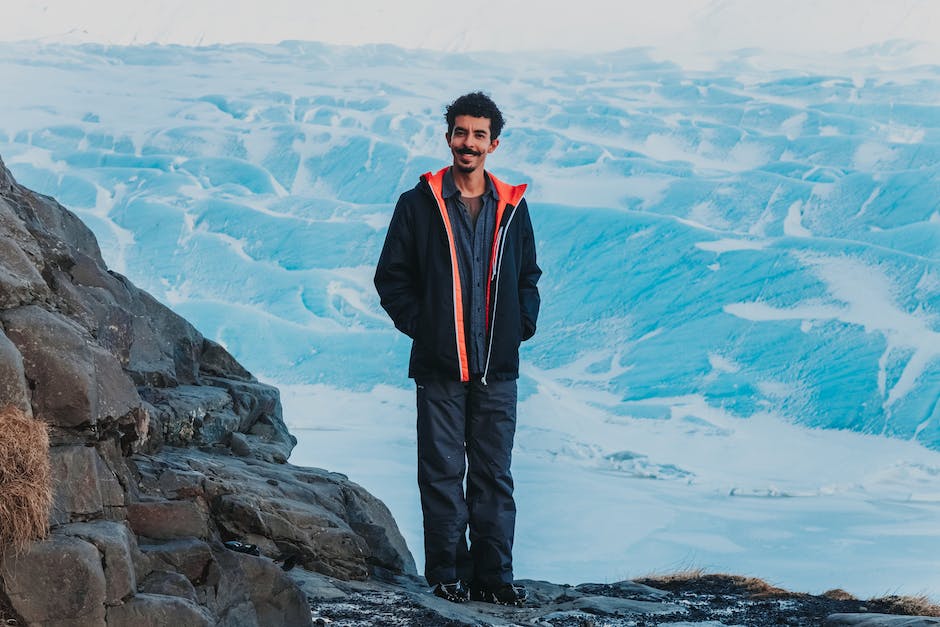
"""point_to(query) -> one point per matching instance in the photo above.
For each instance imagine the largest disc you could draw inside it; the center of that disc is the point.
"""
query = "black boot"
(502, 594)
(453, 592)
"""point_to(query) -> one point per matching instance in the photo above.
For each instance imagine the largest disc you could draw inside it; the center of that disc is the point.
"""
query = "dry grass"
(749, 586)
(753, 588)
(838, 594)
(682, 576)
(25, 479)
(906, 605)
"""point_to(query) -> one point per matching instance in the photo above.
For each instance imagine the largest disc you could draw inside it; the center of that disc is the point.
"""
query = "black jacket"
(419, 285)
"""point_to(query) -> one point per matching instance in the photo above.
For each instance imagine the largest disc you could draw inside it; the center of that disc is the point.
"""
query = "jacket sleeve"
(396, 273)
(528, 276)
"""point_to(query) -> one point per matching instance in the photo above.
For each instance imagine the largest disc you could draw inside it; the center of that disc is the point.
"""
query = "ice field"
(738, 358)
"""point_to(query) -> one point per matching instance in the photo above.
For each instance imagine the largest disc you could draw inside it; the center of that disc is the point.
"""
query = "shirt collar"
(449, 188)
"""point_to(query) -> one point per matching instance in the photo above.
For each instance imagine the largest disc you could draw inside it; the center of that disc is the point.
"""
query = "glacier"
(738, 358)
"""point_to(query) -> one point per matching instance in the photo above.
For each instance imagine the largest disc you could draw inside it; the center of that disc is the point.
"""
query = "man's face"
(470, 142)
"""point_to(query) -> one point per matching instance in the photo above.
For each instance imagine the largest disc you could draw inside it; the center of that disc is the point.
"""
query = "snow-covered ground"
(738, 359)
(686, 30)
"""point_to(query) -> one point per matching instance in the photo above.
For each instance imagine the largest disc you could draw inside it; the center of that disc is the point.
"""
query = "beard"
(466, 169)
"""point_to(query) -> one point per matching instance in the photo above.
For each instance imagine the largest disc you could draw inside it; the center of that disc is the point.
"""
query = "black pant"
(467, 427)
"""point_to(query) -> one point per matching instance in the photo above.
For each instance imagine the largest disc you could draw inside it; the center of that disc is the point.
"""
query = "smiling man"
(458, 275)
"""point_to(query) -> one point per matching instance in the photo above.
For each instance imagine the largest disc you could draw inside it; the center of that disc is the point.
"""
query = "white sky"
(789, 26)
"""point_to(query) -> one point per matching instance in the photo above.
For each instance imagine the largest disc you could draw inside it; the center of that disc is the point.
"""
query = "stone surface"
(74, 382)
(13, 390)
(169, 583)
(189, 556)
(191, 414)
(881, 620)
(334, 526)
(20, 279)
(164, 520)
(123, 381)
(58, 578)
(83, 485)
(118, 546)
(157, 610)
(273, 596)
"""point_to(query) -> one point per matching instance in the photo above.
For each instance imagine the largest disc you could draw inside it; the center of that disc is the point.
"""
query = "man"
(458, 275)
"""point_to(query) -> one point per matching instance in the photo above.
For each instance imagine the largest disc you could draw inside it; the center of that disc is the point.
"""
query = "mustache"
(469, 151)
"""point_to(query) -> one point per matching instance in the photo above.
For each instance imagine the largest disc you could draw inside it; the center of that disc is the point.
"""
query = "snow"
(738, 359)
(683, 29)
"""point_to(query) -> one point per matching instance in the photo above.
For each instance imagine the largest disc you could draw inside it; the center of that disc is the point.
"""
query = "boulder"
(272, 595)
(57, 579)
(13, 390)
(158, 610)
(215, 361)
(333, 525)
(189, 557)
(169, 583)
(74, 381)
(166, 349)
(120, 555)
(191, 414)
(20, 280)
(83, 486)
(164, 520)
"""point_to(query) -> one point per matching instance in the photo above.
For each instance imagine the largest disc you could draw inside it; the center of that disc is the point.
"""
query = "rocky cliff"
(162, 447)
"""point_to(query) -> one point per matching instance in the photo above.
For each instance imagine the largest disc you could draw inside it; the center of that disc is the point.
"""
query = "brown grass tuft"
(838, 594)
(906, 605)
(25, 479)
(682, 576)
(719, 583)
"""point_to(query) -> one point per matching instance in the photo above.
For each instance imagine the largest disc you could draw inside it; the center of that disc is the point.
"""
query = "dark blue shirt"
(474, 244)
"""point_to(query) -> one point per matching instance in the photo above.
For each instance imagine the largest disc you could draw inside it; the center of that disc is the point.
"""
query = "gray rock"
(169, 583)
(188, 556)
(317, 587)
(275, 598)
(191, 414)
(74, 381)
(164, 520)
(157, 610)
(20, 280)
(58, 578)
(121, 379)
(881, 620)
(83, 486)
(627, 590)
(118, 546)
(240, 445)
(166, 348)
(13, 390)
(335, 526)
(613, 606)
(215, 361)
(250, 399)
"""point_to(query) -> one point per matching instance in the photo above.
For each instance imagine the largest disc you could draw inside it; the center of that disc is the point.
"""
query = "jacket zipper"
(500, 247)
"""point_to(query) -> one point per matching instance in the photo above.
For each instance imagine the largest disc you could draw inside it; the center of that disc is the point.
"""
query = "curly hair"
(478, 105)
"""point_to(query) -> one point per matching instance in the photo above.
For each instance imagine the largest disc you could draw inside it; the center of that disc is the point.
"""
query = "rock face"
(162, 448)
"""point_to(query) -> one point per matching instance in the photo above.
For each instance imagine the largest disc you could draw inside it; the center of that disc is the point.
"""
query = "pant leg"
(491, 429)
(441, 466)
